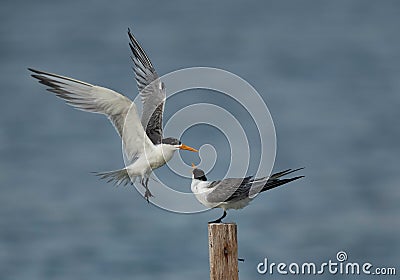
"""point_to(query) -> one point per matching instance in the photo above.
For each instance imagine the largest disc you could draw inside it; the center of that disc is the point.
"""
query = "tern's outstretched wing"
(151, 89)
(101, 100)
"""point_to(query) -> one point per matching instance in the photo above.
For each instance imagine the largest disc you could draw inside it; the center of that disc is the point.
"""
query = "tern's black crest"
(199, 174)
(171, 141)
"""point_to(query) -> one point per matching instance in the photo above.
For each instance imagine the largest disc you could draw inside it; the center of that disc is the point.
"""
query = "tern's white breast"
(201, 191)
(150, 160)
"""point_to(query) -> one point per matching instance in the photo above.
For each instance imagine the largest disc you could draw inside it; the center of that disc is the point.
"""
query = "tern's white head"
(170, 145)
(175, 144)
(198, 174)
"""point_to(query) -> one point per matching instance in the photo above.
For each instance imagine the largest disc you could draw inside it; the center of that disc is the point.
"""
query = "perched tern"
(234, 193)
(143, 145)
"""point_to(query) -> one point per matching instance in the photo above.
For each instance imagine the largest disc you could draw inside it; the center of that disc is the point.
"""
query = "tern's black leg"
(147, 194)
(218, 221)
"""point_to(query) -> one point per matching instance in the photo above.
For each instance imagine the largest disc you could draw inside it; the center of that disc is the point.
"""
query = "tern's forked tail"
(118, 177)
(276, 181)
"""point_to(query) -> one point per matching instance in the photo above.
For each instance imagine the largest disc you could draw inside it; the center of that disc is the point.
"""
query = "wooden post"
(223, 249)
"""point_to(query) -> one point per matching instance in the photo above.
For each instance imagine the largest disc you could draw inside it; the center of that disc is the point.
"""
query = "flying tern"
(234, 193)
(144, 147)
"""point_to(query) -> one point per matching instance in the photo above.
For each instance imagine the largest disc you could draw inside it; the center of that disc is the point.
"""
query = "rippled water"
(328, 71)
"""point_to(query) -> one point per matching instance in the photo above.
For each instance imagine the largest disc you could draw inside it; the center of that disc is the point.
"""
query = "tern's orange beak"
(193, 166)
(184, 147)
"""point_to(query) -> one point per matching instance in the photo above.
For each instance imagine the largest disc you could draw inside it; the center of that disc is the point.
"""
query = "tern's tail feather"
(275, 181)
(118, 177)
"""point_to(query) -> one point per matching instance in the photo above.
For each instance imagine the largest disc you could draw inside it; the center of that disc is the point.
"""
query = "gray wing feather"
(87, 97)
(229, 189)
(235, 189)
(151, 89)
(118, 108)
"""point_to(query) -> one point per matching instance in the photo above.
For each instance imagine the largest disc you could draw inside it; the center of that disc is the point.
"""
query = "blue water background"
(329, 72)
